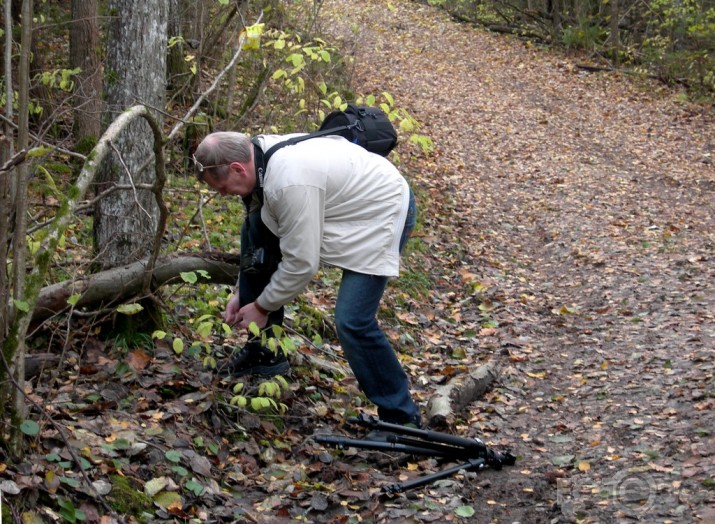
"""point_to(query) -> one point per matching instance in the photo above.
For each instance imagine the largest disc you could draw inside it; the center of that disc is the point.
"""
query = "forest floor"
(585, 203)
(568, 227)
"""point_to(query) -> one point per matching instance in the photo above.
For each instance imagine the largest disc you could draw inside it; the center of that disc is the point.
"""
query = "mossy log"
(119, 284)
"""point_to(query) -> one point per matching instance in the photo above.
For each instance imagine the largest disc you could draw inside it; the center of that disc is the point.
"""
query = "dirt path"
(585, 202)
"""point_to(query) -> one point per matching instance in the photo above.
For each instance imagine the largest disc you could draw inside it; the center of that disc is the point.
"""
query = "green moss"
(125, 499)
(85, 145)
(73, 193)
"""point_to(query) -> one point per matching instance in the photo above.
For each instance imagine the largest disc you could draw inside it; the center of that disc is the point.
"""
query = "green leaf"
(254, 329)
(22, 305)
(30, 427)
(562, 460)
(180, 470)
(178, 346)
(169, 499)
(67, 481)
(159, 334)
(407, 126)
(195, 487)
(189, 277)
(130, 309)
(40, 151)
(204, 329)
(464, 511)
(238, 400)
(173, 456)
(226, 329)
(73, 299)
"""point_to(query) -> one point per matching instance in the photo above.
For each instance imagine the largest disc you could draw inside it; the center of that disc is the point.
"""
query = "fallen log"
(120, 284)
(458, 393)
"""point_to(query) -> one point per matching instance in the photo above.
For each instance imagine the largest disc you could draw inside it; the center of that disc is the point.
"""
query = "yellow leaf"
(540, 374)
(52, 481)
(584, 466)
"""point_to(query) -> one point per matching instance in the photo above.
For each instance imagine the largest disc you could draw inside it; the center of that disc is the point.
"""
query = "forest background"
(115, 261)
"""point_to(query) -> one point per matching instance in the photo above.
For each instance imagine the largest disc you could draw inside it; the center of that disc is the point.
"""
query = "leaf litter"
(568, 219)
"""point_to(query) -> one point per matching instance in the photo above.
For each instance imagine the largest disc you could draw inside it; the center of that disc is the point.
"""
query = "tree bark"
(126, 221)
(460, 391)
(13, 350)
(85, 54)
(6, 153)
(176, 66)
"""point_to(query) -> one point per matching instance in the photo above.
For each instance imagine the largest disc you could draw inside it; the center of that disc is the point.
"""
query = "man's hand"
(249, 313)
(230, 316)
(233, 316)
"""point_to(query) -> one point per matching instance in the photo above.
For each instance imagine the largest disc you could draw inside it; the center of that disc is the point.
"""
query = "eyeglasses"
(201, 168)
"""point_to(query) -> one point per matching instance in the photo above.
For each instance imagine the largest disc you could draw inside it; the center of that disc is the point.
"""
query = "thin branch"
(131, 179)
(37, 139)
(213, 86)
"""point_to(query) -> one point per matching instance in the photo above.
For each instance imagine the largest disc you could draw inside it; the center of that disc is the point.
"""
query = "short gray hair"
(217, 150)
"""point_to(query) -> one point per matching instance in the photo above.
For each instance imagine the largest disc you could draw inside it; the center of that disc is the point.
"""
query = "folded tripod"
(475, 454)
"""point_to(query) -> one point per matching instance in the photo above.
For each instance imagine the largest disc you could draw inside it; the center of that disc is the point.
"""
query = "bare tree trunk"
(6, 152)
(176, 66)
(14, 354)
(614, 37)
(553, 8)
(135, 73)
(85, 54)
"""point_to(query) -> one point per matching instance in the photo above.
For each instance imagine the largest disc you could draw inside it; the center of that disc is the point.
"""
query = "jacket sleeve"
(297, 212)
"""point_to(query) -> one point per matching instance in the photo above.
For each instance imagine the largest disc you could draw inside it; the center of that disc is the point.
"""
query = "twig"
(131, 179)
(44, 143)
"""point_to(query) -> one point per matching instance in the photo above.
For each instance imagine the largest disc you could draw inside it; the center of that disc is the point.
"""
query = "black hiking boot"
(254, 360)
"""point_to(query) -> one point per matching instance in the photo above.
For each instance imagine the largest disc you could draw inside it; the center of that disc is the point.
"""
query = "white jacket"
(330, 201)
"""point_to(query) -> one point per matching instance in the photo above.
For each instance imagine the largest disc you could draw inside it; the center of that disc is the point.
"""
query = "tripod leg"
(472, 465)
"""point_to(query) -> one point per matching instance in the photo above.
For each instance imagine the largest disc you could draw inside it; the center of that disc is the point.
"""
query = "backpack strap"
(315, 134)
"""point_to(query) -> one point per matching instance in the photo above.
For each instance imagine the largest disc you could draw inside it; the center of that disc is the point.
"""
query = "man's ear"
(239, 167)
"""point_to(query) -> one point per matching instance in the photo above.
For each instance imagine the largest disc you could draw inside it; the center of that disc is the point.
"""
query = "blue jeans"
(369, 353)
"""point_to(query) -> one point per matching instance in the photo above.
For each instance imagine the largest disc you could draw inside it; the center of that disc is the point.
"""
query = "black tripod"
(415, 441)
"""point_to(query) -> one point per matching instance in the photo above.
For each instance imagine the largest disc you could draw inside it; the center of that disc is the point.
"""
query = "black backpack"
(368, 127)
